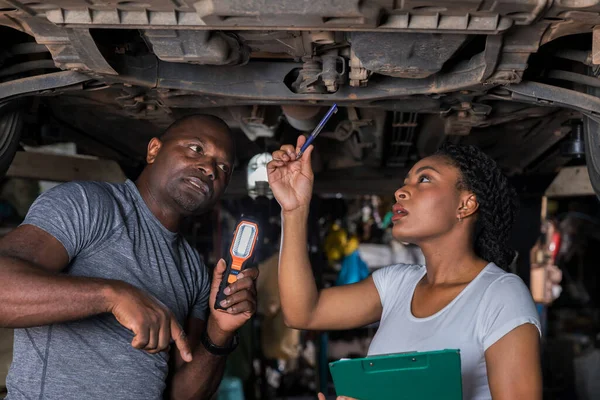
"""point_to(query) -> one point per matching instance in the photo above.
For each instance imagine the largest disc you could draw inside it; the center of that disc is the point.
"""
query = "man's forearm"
(31, 296)
(200, 378)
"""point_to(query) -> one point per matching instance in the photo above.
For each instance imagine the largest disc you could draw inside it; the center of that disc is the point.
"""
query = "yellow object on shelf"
(351, 245)
(338, 244)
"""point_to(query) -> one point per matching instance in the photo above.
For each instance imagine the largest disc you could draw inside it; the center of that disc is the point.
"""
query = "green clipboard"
(431, 375)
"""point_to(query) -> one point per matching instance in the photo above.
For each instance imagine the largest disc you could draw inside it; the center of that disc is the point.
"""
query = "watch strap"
(218, 350)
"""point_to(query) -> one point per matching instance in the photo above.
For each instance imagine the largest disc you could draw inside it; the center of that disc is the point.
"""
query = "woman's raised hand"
(291, 179)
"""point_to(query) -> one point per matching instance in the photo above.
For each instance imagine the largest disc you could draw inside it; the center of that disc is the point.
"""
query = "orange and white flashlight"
(240, 255)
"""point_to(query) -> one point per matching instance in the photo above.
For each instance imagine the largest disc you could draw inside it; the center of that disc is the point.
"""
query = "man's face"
(192, 165)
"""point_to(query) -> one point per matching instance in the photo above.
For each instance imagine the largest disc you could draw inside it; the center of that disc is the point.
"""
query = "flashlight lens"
(243, 241)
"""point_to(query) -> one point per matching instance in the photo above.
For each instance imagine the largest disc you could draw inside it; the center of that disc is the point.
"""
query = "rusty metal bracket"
(70, 48)
(491, 55)
(553, 96)
(36, 84)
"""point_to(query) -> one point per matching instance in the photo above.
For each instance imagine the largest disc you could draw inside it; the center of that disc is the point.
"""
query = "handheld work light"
(240, 255)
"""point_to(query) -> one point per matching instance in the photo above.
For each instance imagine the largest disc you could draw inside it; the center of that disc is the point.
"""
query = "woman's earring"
(459, 218)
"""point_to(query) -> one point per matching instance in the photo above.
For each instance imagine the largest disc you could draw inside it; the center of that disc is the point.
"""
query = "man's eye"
(424, 178)
(196, 148)
(224, 167)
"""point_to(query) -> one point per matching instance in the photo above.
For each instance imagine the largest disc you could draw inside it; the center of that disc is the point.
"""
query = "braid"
(497, 199)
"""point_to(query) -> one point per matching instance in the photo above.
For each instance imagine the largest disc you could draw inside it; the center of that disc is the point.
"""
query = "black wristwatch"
(218, 350)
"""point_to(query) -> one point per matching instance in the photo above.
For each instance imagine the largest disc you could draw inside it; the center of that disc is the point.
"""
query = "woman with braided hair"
(459, 209)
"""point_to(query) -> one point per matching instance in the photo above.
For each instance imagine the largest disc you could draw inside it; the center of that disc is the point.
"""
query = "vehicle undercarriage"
(519, 79)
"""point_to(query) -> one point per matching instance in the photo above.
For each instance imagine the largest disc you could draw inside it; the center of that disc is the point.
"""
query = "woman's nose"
(401, 194)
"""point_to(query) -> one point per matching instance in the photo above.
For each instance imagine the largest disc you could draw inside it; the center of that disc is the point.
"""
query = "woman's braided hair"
(498, 202)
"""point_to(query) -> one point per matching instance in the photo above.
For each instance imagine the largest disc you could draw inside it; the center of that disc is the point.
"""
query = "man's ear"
(153, 148)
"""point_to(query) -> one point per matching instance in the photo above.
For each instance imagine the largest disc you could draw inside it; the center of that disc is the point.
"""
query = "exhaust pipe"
(303, 118)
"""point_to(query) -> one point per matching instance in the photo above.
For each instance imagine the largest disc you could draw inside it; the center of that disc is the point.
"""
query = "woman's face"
(427, 205)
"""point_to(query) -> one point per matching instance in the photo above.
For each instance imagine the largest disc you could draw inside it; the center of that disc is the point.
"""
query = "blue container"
(231, 389)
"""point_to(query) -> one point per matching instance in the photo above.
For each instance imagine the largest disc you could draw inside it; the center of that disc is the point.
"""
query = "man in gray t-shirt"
(98, 283)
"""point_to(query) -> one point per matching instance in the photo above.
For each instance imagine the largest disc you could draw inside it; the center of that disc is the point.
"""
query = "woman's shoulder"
(392, 280)
(498, 285)
(493, 275)
(401, 269)
(397, 273)
(505, 303)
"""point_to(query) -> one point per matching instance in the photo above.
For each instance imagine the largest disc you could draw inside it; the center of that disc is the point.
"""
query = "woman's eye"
(424, 178)
(196, 148)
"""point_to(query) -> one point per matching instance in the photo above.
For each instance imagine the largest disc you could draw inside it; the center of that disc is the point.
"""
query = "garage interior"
(84, 85)
(558, 226)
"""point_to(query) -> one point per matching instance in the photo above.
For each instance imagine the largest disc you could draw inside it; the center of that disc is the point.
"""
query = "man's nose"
(208, 169)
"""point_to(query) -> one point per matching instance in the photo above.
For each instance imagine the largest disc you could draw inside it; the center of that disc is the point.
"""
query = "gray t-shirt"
(108, 232)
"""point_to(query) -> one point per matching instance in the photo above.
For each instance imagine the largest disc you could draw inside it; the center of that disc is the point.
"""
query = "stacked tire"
(11, 126)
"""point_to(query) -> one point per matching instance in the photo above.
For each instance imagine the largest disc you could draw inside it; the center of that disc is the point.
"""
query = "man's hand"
(240, 302)
(200, 378)
(290, 179)
(151, 322)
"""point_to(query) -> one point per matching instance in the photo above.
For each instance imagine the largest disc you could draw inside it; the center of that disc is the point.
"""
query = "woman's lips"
(399, 212)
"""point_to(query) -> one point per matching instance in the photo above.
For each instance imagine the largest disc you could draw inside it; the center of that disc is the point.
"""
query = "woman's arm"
(513, 365)
(303, 306)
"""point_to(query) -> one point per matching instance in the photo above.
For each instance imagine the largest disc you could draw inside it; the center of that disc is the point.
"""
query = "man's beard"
(191, 203)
